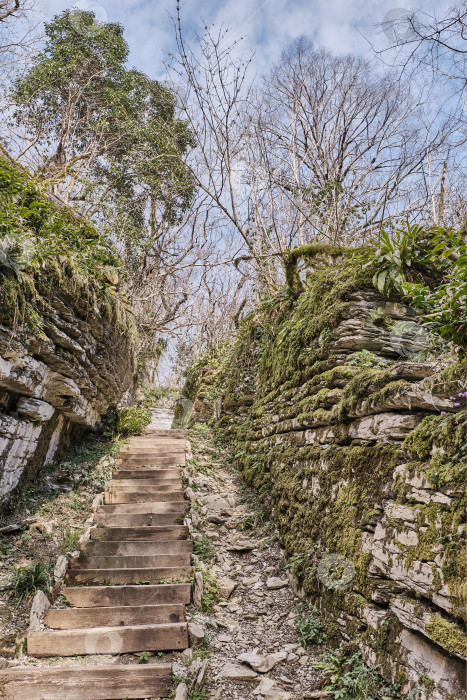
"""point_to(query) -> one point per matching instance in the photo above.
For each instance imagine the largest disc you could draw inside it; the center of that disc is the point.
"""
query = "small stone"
(277, 694)
(190, 494)
(46, 528)
(226, 587)
(97, 501)
(266, 685)
(237, 673)
(198, 589)
(39, 605)
(195, 634)
(182, 692)
(60, 568)
(224, 638)
(261, 663)
(242, 547)
(187, 655)
(275, 583)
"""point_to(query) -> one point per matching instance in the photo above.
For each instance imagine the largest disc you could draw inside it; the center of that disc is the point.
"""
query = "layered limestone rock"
(357, 453)
(57, 382)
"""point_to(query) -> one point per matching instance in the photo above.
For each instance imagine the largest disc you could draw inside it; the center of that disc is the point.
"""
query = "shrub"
(204, 549)
(27, 580)
(131, 420)
(310, 628)
(70, 539)
(348, 678)
(210, 592)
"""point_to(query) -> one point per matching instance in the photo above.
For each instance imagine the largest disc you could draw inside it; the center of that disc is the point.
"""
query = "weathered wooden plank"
(110, 497)
(150, 507)
(130, 561)
(151, 461)
(123, 534)
(100, 596)
(150, 447)
(92, 683)
(141, 548)
(175, 432)
(118, 616)
(143, 450)
(131, 576)
(108, 640)
(148, 473)
(137, 520)
(146, 480)
(140, 485)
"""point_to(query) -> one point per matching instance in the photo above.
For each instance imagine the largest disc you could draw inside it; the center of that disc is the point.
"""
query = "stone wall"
(57, 382)
(357, 450)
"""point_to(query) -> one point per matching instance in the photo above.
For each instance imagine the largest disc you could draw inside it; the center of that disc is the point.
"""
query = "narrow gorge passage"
(138, 541)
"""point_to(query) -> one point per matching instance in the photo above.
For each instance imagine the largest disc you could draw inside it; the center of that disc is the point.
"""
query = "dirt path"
(257, 612)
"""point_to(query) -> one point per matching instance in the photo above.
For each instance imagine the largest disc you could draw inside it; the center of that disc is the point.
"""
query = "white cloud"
(267, 25)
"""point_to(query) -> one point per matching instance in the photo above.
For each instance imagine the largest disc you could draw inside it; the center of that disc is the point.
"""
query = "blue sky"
(267, 26)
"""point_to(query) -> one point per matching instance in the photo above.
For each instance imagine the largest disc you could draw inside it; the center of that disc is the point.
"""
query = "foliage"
(210, 591)
(204, 549)
(29, 579)
(348, 678)
(107, 132)
(29, 220)
(310, 627)
(70, 539)
(44, 249)
(428, 267)
(131, 420)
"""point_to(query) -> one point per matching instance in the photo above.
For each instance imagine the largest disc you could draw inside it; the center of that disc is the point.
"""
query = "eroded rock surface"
(56, 383)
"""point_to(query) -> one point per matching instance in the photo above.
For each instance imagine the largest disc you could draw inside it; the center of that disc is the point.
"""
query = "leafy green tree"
(104, 136)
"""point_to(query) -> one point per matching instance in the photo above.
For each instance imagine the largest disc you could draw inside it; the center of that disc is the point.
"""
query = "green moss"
(447, 634)
(52, 252)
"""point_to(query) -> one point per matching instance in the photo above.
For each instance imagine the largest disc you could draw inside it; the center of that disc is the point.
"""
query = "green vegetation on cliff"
(47, 249)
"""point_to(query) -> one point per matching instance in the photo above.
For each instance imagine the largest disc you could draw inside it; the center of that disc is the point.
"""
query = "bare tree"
(348, 145)
(326, 149)
(427, 42)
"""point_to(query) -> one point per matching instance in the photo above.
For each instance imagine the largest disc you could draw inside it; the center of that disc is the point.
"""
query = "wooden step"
(131, 576)
(141, 548)
(154, 448)
(151, 461)
(146, 480)
(137, 520)
(178, 443)
(111, 596)
(111, 682)
(125, 615)
(141, 485)
(130, 561)
(173, 432)
(108, 640)
(159, 450)
(151, 507)
(148, 473)
(123, 534)
(111, 497)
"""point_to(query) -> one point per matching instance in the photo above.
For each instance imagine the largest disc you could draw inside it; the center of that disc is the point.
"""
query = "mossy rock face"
(67, 334)
(396, 494)
(47, 250)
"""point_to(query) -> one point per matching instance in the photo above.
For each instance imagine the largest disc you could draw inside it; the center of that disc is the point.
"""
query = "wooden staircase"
(139, 542)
